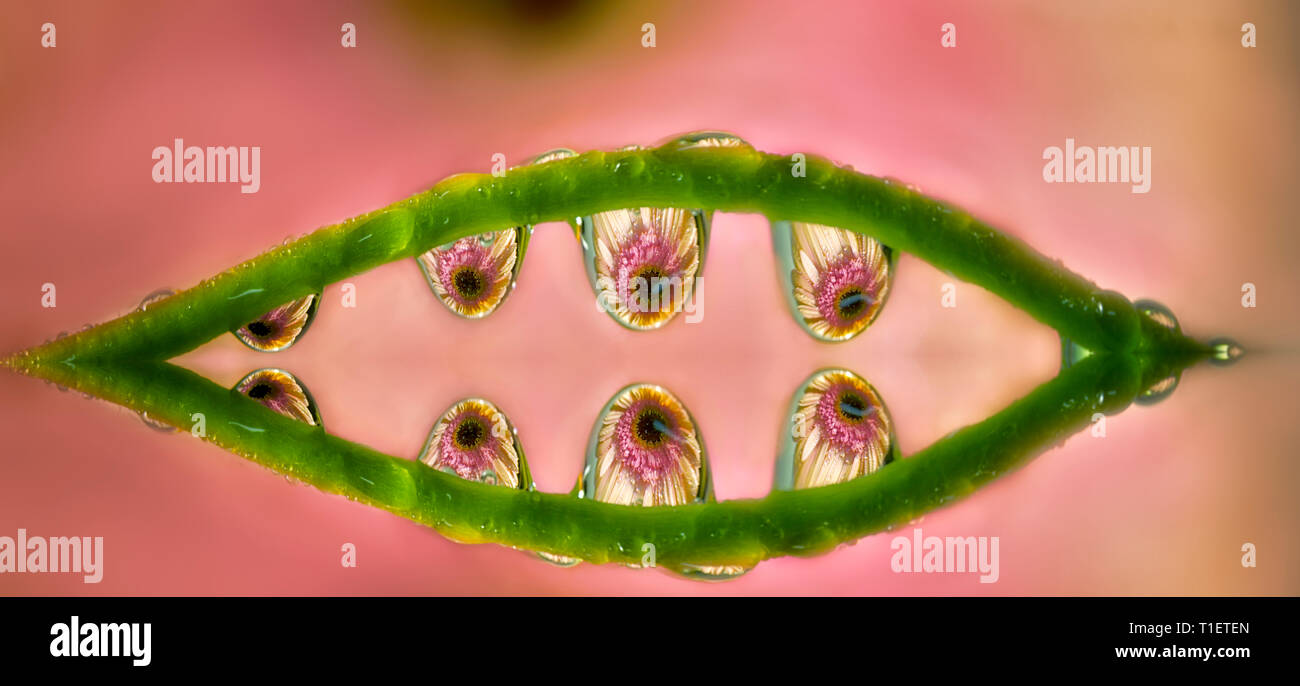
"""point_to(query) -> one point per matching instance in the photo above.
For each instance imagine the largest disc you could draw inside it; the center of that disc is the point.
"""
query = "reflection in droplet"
(154, 298)
(473, 275)
(1158, 391)
(1225, 351)
(643, 263)
(839, 430)
(279, 391)
(280, 328)
(474, 440)
(646, 450)
(155, 424)
(1158, 312)
(835, 280)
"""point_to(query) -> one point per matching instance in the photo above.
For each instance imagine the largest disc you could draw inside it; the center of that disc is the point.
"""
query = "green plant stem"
(731, 179)
(123, 361)
(802, 522)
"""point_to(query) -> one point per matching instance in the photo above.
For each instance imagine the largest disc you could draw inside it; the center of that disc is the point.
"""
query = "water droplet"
(279, 391)
(474, 440)
(705, 139)
(1158, 313)
(1225, 351)
(473, 275)
(836, 281)
(644, 263)
(154, 298)
(1072, 353)
(1158, 391)
(839, 430)
(712, 572)
(646, 450)
(155, 424)
(280, 328)
(559, 560)
(552, 155)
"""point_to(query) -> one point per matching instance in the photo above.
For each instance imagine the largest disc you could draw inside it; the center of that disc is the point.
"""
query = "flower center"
(852, 407)
(259, 328)
(470, 434)
(468, 282)
(260, 391)
(852, 302)
(651, 428)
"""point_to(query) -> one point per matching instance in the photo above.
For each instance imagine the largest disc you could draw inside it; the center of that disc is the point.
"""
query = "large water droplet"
(473, 275)
(1225, 351)
(646, 450)
(280, 328)
(474, 440)
(839, 430)
(280, 392)
(644, 263)
(836, 281)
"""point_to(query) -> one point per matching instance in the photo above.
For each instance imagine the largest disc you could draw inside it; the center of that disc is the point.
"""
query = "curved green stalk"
(801, 522)
(730, 179)
(124, 360)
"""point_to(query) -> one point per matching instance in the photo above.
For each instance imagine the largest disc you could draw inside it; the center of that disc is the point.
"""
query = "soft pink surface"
(1162, 505)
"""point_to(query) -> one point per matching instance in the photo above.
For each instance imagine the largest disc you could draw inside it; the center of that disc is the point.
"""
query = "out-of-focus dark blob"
(534, 22)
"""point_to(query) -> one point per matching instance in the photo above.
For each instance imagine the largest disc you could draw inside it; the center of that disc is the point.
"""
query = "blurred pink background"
(1162, 505)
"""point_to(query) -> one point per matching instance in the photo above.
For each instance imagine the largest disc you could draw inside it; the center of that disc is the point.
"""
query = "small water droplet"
(1158, 313)
(553, 155)
(559, 560)
(154, 298)
(1225, 351)
(705, 139)
(155, 424)
(1158, 391)
(1072, 353)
